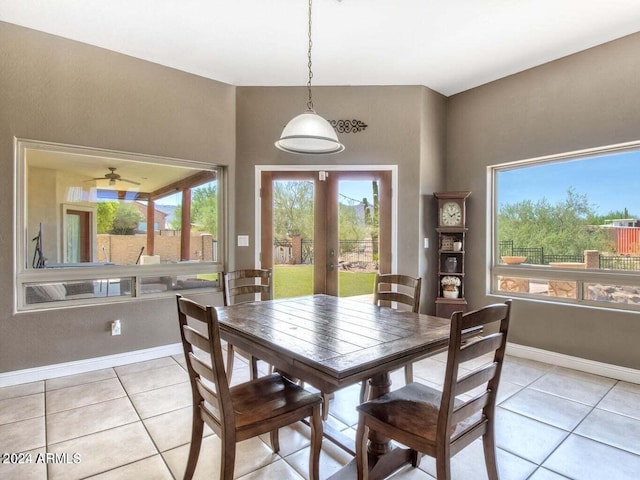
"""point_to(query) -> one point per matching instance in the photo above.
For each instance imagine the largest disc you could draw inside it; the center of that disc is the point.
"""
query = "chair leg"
(228, 457)
(489, 444)
(416, 456)
(364, 390)
(275, 440)
(326, 397)
(408, 374)
(197, 427)
(362, 460)
(316, 444)
(253, 362)
(443, 464)
(230, 357)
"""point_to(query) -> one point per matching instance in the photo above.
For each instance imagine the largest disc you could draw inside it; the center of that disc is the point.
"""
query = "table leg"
(378, 444)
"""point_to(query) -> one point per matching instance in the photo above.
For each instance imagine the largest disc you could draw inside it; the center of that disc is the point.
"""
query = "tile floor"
(133, 422)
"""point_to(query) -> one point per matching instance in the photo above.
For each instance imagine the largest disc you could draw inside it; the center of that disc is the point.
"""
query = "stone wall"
(125, 249)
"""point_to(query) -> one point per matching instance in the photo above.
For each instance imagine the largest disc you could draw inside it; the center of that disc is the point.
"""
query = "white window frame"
(581, 276)
(25, 276)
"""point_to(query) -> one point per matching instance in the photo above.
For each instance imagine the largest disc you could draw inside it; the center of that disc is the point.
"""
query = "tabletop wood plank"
(335, 338)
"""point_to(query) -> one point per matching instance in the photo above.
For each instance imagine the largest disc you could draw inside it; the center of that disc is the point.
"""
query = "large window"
(567, 228)
(96, 226)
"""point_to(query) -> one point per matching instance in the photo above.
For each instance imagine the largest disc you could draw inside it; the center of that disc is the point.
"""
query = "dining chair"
(245, 410)
(439, 423)
(398, 290)
(401, 289)
(241, 286)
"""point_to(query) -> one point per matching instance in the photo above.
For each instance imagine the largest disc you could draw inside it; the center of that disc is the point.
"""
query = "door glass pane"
(73, 238)
(358, 211)
(292, 238)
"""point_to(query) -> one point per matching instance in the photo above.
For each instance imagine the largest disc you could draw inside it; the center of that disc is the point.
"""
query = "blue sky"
(611, 182)
(356, 190)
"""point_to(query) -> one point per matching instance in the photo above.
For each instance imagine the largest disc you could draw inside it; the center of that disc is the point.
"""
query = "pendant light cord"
(310, 101)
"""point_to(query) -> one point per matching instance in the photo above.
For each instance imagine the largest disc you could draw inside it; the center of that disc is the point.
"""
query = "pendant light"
(309, 133)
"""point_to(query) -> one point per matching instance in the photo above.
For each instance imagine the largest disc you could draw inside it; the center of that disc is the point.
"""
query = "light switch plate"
(243, 240)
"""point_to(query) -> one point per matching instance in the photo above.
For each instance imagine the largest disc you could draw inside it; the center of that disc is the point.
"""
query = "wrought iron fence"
(357, 253)
(536, 256)
(608, 262)
(307, 252)
(351, 253)
(563, 258)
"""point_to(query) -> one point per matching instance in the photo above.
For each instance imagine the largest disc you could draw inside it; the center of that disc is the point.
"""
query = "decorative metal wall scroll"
(348, 126)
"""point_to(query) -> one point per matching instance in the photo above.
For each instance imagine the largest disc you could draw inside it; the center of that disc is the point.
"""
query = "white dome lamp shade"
(309, 133)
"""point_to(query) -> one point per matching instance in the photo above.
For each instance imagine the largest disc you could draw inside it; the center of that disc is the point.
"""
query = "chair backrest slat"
(242, 285)
(401, 289)
(452, 412)
(208, 395)
(485, 316)
(196, 338)
(475, 378)
(466, 437)
(473, 350)
(395, 297)
(246, 289)
(470, 407)
(211, 420)
(202, 368)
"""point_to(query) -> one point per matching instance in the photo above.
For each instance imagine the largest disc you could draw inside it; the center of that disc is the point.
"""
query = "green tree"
(106, 213)
(614, 214)
(561, 229)
(293, 209)
(126, 219)
(176, 219)
(204, 208)
(351, 228)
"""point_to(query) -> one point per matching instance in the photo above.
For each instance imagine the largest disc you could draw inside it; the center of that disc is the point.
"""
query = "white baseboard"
(81, 366)
(576, 363)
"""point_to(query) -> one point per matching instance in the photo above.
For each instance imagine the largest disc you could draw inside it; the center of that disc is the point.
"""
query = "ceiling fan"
(112, 176)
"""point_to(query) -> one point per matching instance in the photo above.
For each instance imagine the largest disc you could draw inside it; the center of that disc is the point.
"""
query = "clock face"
(451, 215)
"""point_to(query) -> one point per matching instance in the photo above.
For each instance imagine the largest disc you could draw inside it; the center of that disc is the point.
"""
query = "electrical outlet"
(116, 327)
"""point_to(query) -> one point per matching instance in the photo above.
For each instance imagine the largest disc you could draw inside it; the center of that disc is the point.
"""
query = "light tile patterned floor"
(133, 422)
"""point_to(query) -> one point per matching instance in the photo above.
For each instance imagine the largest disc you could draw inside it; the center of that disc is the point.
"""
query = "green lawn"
(297, 280)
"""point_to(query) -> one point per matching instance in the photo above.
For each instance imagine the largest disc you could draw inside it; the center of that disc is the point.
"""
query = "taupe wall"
(405, 128)
(63, 91)
(586, 100)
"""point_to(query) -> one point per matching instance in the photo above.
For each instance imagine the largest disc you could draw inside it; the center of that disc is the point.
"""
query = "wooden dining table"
(331, 343)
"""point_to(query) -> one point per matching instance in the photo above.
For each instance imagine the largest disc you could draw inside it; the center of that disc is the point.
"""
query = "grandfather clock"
(452, 242)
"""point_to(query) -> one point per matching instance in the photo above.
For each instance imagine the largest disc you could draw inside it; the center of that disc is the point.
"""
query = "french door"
(78, 245)
(325, 231)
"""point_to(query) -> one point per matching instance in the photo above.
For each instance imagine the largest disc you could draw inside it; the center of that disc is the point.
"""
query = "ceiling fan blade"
(128, 181)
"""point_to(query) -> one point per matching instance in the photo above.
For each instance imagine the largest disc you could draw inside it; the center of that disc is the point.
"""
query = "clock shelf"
(451, 230)
(452, 241)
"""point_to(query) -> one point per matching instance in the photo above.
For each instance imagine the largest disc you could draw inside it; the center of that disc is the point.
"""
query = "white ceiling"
(447, 45)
